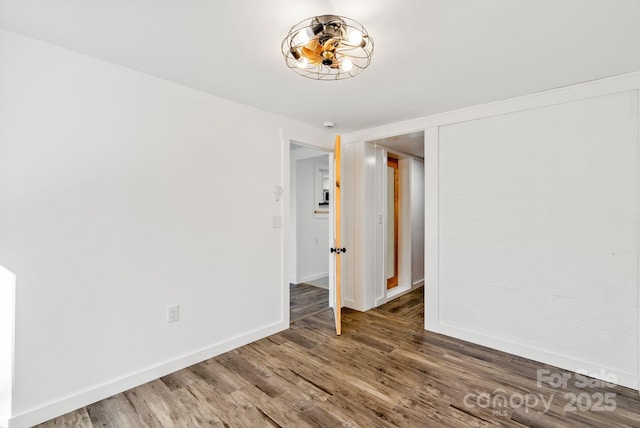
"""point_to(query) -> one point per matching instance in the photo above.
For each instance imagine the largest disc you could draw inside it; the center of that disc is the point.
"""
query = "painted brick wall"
(538, 229)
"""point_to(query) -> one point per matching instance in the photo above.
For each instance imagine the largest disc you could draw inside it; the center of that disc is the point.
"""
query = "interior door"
(336, 251)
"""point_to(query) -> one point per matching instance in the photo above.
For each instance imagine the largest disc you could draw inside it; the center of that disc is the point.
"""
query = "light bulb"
(303, 63)
(346, 65)
(355, 37)
(302, 37)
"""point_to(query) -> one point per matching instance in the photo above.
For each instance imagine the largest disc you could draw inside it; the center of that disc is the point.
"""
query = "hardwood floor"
(409, 306)
(306, 300)
(384, 371)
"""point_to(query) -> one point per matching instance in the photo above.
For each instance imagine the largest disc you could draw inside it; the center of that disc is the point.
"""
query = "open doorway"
(399, 287)
(401, 204)
(309, 204)
(384, 226)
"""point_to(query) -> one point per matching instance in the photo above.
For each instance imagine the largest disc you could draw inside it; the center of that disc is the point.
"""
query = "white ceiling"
(430, 55)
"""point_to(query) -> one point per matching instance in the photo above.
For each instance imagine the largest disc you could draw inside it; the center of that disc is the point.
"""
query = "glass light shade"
(355, 37)
(303, 36)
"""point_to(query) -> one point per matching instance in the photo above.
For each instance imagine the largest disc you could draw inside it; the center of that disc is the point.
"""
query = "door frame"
(392, 163)
(287, 251)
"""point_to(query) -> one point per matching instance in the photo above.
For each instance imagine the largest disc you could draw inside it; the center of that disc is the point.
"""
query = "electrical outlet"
(173, 313)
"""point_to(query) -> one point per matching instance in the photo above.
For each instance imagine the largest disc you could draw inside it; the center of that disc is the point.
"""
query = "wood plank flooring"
(306, 300)
(384, 371)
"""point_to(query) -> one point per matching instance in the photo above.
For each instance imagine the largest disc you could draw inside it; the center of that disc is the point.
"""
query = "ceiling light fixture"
(327, 47)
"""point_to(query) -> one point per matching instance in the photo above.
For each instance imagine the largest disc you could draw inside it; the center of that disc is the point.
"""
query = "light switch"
(277, 222)
(277, 193)
(173, 313)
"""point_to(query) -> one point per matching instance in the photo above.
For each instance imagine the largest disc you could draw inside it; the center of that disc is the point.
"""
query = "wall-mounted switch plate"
(277, 193)
(173, 313)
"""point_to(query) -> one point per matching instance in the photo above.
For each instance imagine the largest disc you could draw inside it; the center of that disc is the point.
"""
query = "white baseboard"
(313, 277)
(351, 304)
(399, 291)
(87, 397)
(629, 380)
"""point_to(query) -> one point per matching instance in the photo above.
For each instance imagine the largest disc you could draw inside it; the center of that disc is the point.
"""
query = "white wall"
(312, 244)
(416, 199)
(411, 245)
(121, 194)
(7, 287)
(557, 190)
(363, 262)
(539, 229)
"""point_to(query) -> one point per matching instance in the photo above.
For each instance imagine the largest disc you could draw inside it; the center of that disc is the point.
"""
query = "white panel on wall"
(367, 244)
(538, 227)
(347, 177)
(405, 227)
(360, 182)
(417, 221)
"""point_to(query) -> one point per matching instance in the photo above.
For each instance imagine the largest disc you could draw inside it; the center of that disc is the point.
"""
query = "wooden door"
(336, 251)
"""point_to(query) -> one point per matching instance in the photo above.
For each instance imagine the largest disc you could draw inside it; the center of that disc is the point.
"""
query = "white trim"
(289, 216)
(399, 291)
(313, 277)
(84, 398)
(431, 229)
(610, 85)
(638, 306)
(285, 148)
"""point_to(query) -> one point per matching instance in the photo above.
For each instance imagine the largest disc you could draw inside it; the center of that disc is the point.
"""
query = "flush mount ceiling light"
(327, 47)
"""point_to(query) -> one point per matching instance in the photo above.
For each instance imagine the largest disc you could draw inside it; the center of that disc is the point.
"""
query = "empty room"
(319, 213)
